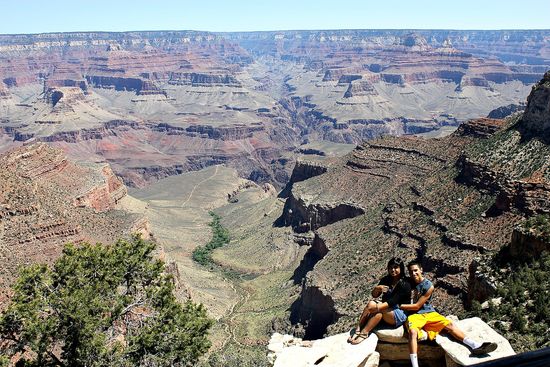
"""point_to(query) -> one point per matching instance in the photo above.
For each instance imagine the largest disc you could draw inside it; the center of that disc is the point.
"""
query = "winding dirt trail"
(228, 319)
(198, 184)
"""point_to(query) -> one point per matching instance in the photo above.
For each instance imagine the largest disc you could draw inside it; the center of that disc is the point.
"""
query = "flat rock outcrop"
(385, 345)
(458, 354)
(480, 128)
(332, 351)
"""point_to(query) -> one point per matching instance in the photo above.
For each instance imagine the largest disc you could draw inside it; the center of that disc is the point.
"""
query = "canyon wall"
(250, 100)
(452, 203)
(46, 201)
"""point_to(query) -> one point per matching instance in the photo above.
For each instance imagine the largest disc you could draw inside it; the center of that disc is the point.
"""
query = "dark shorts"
(399, 316)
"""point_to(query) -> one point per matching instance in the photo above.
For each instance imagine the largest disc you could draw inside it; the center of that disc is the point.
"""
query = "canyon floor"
(251, 283)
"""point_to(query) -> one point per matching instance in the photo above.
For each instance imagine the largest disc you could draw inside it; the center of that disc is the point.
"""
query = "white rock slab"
(476, 329)
(343, 354)
(332, 351)
(392, 335)
(297, 356)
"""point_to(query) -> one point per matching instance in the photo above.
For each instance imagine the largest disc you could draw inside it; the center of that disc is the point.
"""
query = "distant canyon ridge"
(155, 104)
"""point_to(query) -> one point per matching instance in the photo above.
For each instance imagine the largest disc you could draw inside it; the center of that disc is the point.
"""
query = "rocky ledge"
(535, 117)
(385, 345)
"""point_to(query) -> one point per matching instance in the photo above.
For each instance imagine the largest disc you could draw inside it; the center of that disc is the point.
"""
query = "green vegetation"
(509, 151)
(524, 313)
(102, 306)
(538, 225)
(239, 356)
(220, 237)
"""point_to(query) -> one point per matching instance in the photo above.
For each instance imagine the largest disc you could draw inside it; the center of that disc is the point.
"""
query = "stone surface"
(331, 351)
(299, 356)
(392, 335)
(335, 351)
(398, 352)
(478, 330)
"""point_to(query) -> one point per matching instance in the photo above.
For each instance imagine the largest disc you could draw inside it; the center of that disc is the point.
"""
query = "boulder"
(299, 356)
(328, 352)
(392, 335)
(475, 329)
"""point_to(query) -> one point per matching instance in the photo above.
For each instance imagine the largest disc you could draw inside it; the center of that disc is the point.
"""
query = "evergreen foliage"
(220, 237)
(102, 306)
(524, 313)
(538, 225)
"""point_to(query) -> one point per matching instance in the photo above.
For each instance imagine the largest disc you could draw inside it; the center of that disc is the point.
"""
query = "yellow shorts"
(431, 322)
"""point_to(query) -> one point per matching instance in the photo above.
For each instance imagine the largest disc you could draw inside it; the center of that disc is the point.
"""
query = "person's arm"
(378, 307)
(418, 304)
(378, 290)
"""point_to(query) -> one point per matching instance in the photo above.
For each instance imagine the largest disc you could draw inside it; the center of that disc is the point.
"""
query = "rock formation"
(47, 201)
(535, 117)
(193, 99)
(385, 345)
(445, 201)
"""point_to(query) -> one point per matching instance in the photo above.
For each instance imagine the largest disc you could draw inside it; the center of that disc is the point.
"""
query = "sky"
(39, 16)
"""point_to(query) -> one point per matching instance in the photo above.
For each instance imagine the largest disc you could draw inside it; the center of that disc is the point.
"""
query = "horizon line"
(291, 30)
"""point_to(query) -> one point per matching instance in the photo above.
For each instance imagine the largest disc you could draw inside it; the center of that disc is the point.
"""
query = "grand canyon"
(325, 153)
(181, 101)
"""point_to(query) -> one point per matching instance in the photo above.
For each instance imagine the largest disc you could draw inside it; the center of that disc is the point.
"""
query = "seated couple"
(419, 317)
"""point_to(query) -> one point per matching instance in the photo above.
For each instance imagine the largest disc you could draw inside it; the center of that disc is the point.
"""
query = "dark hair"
(397, 261)
(414, 262)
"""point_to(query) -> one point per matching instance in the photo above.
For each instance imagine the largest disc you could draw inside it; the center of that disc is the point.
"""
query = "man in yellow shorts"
(426, 323)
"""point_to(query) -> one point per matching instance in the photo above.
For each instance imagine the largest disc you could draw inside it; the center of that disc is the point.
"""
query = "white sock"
(414, 360)
(471, 343)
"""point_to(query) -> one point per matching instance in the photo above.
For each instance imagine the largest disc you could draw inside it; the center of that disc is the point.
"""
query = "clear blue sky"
(35, 16)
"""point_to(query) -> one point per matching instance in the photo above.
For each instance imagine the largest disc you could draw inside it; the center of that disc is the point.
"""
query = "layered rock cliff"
(251, 99)
(47, 201)
(446, 201)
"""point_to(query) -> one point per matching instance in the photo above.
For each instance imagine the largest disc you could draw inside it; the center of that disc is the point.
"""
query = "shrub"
(102, 306)
(220, 237)
(525, 304)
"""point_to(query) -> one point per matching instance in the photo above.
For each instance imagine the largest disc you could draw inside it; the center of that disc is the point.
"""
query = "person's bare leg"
(365, 315)
(362, 322)
(364, 333)
(455, 332)
(371, 324)
(413, 347)
(413, 341)
(388, 318)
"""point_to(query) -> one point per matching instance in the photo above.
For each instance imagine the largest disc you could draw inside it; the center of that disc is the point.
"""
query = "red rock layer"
(123, 61)
(39, 188)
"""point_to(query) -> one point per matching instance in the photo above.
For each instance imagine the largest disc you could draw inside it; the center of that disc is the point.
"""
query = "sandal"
(353, 333)
(359, 338)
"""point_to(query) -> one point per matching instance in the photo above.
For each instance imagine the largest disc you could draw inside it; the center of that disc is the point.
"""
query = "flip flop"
(352, 333)
(359, 338)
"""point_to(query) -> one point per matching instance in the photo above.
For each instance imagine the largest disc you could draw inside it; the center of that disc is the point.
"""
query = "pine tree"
(102, 306)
